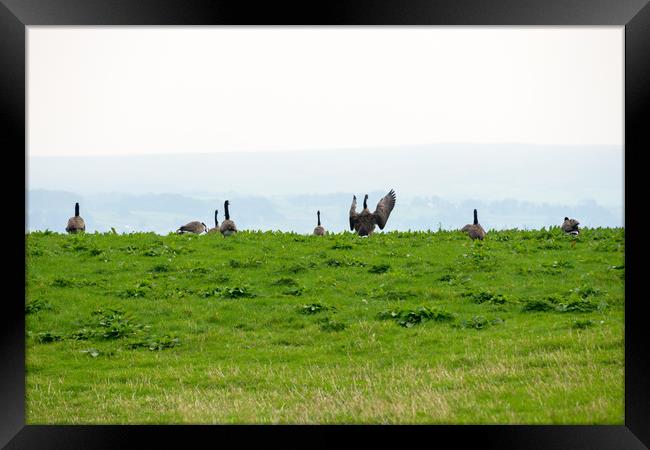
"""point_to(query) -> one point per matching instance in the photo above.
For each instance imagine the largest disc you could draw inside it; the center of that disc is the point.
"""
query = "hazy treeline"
(163, 213)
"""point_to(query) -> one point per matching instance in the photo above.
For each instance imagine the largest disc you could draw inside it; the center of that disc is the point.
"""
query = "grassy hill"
(525, 327)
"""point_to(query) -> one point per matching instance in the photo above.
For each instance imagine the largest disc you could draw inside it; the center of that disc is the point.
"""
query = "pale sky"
(146, 90)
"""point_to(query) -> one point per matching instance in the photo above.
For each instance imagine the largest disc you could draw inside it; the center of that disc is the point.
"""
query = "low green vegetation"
(271, 327)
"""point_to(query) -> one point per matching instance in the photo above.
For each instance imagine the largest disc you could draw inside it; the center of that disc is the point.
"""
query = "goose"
(227, 227)
(319, 230)
(474, 230)
(570, 226)
(193, 227)
(216, 223)
(364, 222)
(76, 223)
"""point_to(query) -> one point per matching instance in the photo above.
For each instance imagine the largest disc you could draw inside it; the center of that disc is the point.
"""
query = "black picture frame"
(634, 15)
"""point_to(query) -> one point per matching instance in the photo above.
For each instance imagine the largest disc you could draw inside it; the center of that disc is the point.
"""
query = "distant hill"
(512, 185)
(163, 213)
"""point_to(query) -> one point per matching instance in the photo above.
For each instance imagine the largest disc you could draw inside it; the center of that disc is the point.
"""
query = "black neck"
(76, 209)
(318, 218)
(216, 222)
(475, 218)
(365, 202)
(225, 206)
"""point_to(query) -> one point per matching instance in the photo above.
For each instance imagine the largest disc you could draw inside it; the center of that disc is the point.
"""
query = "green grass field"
(525, 327)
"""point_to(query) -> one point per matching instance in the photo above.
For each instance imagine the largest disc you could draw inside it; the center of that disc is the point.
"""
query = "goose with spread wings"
(364, 222)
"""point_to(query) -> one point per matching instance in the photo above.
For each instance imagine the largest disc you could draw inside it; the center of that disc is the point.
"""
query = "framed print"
(367, 214)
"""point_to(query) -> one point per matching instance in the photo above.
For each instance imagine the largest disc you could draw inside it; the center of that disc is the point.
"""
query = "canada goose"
(216, 223)
(319, 230)
(570, 226)
(474, 230)
(76, 223)
(227, 227)
(364, 223)
(193, 227)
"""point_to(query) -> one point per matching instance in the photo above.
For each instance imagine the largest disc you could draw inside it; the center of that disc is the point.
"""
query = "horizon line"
(319, 149)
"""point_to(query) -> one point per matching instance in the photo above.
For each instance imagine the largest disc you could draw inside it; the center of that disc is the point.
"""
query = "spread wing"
(353, 212)
(384, 207)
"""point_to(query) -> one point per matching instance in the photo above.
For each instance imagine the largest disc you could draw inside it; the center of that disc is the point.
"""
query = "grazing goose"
(474, 230)
(228, 227)
(570, 226)
(193, 227)
(319, 230)
(364, 222)
(216, 223)
(76, 223)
